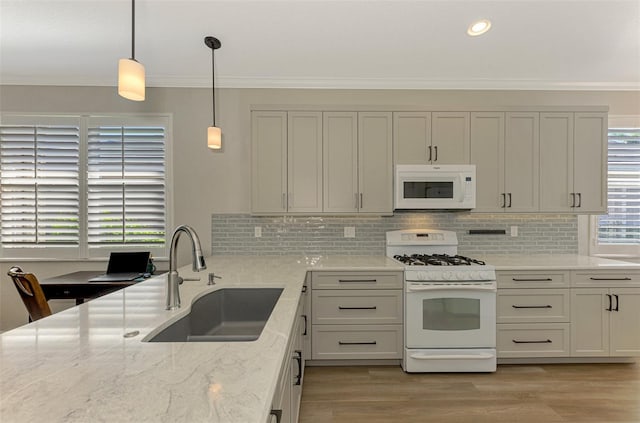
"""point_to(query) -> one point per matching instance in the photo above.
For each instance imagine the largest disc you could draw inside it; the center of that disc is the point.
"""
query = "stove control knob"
(474, 276)
(421, 276)
(461, 276)
(446, 276)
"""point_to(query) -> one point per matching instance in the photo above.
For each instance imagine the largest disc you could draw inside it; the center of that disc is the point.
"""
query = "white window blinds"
(126, 184)
(39, 185)
(622, 223)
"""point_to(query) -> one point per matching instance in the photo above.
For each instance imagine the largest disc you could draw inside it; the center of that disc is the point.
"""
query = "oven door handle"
(480, 356)
(422, 288)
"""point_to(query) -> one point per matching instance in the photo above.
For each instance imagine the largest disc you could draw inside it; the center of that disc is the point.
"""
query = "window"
(618, 232)
(81, 186)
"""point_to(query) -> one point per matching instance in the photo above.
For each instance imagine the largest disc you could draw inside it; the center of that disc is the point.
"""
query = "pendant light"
(130, 71)
(214, 134)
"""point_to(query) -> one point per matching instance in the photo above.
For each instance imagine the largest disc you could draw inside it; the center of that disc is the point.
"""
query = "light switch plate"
(257, 231)
(514, 231)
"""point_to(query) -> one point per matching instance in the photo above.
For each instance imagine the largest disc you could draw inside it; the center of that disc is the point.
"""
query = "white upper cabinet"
(269, 162)
(573, 162)
(487, 153)
(340, 152)
(521, 162)
(412, 137)
(590, 162)
(375, 162)
(556, 162)
(357, 151)
(450, 137)
(286, 162)
(431, 137)
(304, 158)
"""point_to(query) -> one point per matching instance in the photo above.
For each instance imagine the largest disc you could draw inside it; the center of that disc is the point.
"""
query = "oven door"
(444, 315)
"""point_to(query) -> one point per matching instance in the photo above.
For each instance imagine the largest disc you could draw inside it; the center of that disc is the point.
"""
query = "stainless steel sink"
(225, 315)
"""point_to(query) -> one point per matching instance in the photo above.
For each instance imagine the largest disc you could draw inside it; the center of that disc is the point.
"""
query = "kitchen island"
(78, 365)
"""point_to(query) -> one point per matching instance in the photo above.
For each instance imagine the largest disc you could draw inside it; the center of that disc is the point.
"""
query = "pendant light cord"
(213, 85)
(133, 29)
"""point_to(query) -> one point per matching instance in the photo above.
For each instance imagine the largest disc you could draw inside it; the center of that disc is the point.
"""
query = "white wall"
(206, 182)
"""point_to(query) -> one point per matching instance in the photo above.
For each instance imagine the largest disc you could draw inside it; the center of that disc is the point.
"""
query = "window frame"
(83, 251)
(612, 250)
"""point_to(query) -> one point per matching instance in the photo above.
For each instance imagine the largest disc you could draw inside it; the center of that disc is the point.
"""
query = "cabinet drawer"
(340, 342)
(533, 305)
(356, 280)
(382, 306)
(533, 279)
(533, 340)
(612, 278)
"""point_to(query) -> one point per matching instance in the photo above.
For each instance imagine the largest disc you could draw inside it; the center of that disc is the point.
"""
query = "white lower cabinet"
(533, 340)
(356, 315)
(605, 322)
(533, 314)
(285, 406)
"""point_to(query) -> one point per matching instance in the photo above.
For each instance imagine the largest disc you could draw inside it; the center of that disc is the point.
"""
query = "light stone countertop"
(555, 262)
(76, 366)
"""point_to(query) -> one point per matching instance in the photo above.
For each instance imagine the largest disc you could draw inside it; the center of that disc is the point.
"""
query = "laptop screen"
(125, 262)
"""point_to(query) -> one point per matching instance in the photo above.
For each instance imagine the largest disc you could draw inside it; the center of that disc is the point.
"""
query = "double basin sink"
(225, 315)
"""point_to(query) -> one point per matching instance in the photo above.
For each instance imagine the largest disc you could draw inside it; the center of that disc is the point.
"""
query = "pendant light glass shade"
(214, 134)
(131, 79)
(131, 84)
(214, 138)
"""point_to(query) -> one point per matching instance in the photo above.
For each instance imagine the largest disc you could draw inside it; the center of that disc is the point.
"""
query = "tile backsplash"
(234, 234)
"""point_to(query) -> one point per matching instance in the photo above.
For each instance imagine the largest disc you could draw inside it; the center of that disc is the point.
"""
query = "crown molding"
(336, 83)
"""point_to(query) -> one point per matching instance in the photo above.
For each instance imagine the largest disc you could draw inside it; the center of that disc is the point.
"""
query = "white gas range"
(449, 303)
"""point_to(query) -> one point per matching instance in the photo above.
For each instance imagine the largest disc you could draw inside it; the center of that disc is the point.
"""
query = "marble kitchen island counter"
(77, 365)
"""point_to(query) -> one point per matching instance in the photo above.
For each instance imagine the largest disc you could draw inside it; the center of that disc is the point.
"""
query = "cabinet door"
(412, 137)
(304, 184)
(589, 322)
(590, 162)
(340, 158)
(556, 162)
(268, 162)
(521, 162)
(624, 322)
(375, 162)
(487, 153)
(450, 137)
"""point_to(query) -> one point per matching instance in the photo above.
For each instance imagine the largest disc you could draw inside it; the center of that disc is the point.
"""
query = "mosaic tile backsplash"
(234, 234)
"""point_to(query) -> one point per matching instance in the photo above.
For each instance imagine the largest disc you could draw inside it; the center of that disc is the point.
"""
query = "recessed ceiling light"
(479, 27)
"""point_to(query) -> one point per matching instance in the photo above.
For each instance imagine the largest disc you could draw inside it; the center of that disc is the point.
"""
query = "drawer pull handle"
(357, 343)
(359, 280)
(298, 358)
(357, 308)
(304, 316)
(278, 414)
(611, 279)
(533, 306)
(532, 280)
(548, 341)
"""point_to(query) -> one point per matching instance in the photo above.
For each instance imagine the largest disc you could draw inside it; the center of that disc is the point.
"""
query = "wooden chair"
(31, 293)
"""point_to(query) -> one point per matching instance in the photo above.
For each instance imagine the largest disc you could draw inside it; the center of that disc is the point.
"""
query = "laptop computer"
(124, 266)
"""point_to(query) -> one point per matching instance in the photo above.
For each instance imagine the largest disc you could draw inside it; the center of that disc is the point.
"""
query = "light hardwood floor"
(577, 393)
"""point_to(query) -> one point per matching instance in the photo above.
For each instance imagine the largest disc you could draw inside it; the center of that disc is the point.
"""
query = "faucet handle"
(189, 279)
(212, 277)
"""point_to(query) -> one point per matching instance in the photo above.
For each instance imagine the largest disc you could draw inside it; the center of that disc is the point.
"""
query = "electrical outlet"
(514, 231)
(349, 231)
(257, 231)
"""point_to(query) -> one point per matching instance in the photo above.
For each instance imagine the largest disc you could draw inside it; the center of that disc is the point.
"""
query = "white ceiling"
(533, 44)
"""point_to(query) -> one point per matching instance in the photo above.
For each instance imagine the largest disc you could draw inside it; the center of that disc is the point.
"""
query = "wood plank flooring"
(570, 393)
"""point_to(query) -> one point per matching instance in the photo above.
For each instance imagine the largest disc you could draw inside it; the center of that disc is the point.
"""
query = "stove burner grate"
(436, 260)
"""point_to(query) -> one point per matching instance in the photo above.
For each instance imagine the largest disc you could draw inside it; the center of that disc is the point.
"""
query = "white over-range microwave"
(429, 187)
